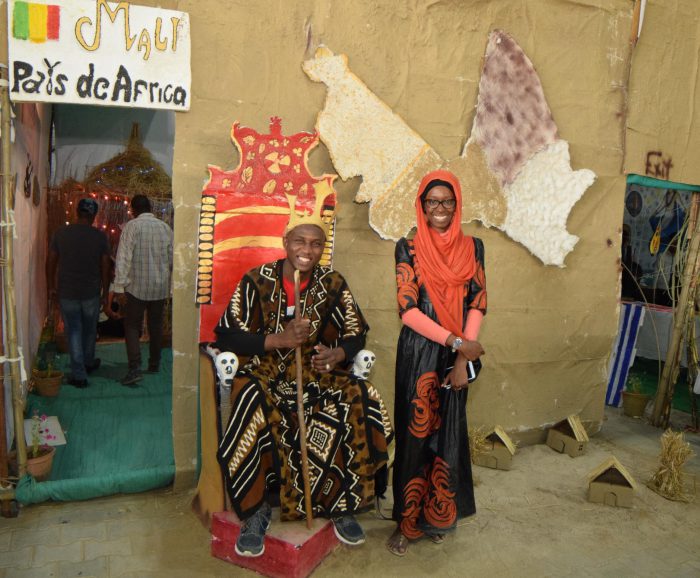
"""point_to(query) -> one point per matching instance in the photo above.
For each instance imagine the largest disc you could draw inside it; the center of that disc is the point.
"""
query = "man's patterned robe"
(348, 427)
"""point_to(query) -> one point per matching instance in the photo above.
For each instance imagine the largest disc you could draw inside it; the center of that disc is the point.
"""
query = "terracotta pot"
(40, 466)
(634, 404)
(44, 385)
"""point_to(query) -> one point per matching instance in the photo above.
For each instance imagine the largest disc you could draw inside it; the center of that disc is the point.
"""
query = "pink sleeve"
(425, 326)
(473, 324)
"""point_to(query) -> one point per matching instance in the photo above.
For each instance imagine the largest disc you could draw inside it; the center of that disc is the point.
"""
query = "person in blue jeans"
(78, 275)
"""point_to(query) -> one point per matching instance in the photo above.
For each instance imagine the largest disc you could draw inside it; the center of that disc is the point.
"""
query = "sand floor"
(533, 520)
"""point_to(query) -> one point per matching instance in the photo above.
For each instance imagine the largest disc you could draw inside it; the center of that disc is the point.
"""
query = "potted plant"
(40, 456)
(46, 383)
(46, 380)
(634, 402)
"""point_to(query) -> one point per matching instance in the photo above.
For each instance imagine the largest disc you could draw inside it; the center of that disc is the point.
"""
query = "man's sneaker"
(153, 368)
(95, 365)
(132, 377)
(348, 531)
(251, 541)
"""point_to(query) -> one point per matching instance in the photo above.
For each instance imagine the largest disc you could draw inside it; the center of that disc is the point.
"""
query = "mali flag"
(36, 22)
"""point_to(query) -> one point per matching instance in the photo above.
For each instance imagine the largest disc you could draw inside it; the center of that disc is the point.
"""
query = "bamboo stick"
(664, 394)
(300, 409)
(8, 281)
(5, 507)
(4, 458)
(691, 347)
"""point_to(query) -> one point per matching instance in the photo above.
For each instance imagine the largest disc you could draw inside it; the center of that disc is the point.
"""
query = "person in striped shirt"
(142, 283)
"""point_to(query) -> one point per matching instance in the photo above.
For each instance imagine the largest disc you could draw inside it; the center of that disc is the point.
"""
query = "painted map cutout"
(245, 211)
(515, 171)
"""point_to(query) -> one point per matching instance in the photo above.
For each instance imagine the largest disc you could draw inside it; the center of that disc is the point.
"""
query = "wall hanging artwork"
(245, 211)
(515, 171)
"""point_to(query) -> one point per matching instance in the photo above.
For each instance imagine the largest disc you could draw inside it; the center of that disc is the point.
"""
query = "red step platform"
(291, 550)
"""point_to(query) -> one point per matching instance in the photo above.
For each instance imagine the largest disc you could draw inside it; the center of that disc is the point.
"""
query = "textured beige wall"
(664, 88)
(549, 331)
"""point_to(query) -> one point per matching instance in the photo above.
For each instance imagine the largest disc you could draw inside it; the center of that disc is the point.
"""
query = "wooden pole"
(4, 457)
(664, 394)
(636, 13)
(300, 409)
(8, 281)
(690, 336)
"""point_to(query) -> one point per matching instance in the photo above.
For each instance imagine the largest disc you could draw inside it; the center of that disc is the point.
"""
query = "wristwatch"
(457, 343)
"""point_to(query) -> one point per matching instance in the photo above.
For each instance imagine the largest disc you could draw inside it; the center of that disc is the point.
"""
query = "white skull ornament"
(363, 362)
(226, 367)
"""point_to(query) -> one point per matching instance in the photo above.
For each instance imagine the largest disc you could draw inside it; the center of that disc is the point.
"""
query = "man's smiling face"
(304, 245)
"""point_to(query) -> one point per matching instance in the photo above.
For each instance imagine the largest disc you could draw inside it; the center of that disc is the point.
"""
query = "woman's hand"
(471, 350)
(326, 359)
(458, 378)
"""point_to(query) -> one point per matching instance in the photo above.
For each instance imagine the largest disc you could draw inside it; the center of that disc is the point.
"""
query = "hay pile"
(477, 442)
(668, 480)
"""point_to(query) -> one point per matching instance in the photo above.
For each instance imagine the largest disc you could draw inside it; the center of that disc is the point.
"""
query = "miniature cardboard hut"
(499, 451)
(611, 484)
(568, 437)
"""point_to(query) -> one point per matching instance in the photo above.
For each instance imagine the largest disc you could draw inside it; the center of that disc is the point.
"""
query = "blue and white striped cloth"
(624, 350)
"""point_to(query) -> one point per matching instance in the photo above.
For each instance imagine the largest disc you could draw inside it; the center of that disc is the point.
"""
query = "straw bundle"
(477, 442)
(668, 479)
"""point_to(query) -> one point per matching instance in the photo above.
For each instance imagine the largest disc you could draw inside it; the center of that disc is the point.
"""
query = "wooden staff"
(300, 409)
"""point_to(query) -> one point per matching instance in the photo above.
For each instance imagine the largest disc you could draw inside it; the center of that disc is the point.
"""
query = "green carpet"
(119, 438)
(649, 370)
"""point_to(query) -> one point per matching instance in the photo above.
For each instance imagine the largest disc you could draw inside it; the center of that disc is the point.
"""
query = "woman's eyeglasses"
(449, 204)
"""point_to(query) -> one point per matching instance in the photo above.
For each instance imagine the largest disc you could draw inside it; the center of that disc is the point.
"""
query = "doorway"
(657, 225)
(118, 438)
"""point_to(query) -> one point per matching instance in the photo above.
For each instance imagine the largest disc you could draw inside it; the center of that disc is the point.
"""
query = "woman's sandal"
(397, 543)
(437, 538)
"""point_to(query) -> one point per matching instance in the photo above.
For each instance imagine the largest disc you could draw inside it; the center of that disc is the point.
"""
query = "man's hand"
(295, 333)
(326, 359)
(120, 298)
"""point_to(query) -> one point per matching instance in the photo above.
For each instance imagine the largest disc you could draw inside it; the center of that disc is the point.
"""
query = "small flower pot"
(634, 404)
(46, 385)
(40, 466)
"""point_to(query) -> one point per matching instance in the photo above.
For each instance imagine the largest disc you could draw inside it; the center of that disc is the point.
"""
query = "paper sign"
(100, 53)
(50, 432)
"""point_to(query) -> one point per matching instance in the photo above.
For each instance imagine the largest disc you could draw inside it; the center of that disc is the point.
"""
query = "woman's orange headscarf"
(446, 262)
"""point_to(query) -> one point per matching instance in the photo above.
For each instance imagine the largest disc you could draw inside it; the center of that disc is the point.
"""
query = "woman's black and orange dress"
(432, 477)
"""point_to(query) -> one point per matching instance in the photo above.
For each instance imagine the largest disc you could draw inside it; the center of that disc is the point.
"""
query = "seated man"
(348, 427)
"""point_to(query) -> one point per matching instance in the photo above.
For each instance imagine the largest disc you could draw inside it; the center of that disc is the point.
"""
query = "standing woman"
(442, 300)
